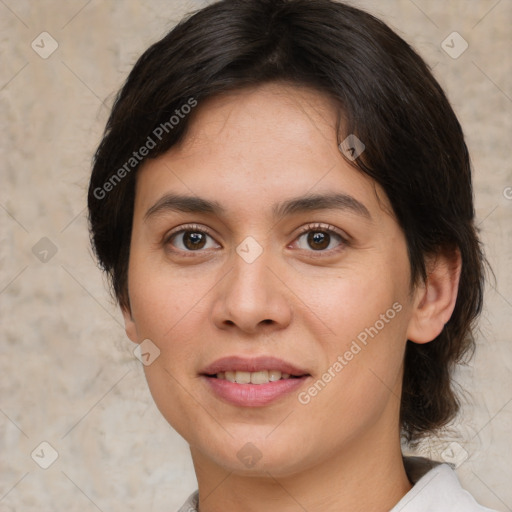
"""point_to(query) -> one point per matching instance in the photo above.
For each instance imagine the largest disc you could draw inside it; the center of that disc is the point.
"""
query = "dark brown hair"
(415, 147)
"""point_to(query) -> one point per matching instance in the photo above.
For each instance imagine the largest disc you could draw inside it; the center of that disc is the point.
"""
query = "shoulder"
(436, 488)
(191, 505)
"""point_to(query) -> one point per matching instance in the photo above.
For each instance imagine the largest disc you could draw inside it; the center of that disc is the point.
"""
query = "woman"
(282, 200)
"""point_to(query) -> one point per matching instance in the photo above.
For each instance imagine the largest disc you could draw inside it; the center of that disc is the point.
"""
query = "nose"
(251, 298)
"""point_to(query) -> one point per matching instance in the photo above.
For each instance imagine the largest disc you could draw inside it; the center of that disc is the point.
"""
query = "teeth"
(274, 375)
(243, 377)
(262, 377)
(259, 377)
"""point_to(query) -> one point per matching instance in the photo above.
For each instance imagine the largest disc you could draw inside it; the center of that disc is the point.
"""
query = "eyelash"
(314, 227)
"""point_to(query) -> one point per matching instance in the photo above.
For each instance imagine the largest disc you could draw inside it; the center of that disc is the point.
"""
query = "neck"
(366, 477)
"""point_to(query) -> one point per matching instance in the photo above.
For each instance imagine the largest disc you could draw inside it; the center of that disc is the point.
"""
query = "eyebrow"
(307, 203)
(314, 202)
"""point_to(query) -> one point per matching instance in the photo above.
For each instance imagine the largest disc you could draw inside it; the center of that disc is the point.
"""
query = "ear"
(129, 324)
(435, 299)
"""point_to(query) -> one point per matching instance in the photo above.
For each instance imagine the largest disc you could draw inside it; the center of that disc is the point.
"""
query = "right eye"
(190, 239)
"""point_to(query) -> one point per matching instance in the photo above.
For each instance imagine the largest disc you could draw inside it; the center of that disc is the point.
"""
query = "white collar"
(436, 489)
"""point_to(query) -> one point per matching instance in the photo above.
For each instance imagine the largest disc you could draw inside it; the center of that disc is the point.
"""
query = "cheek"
(365, 312)
(164, 299)
(169, 310)
(359, 387)
(349, 300)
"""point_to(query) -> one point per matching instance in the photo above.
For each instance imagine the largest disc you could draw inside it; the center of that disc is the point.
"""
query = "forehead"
(283, 109)
(258, 146)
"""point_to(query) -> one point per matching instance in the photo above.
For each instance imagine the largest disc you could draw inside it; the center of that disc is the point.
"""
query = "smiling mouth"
(260, 377)
(253, 382)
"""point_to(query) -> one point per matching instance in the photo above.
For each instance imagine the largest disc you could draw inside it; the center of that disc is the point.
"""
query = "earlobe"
(435, 299)
(129, 324)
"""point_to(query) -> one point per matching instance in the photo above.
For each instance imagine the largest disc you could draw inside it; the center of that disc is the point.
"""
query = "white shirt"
(436, 489)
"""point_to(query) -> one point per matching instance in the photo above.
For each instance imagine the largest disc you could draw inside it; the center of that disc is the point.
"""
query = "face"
(257, 251)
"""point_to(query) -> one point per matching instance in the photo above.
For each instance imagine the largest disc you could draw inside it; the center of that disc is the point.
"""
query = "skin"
(250, 150)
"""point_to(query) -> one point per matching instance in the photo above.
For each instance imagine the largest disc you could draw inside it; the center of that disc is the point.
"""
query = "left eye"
(319, 240)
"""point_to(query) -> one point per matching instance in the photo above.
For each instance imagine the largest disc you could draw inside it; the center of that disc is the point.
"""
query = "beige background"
(67, 372)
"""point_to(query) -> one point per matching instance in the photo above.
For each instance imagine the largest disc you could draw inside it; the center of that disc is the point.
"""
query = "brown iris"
(194, 239)
(318, 240)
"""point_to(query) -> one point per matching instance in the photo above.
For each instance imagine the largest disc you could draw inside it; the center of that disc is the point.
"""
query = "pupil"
(194, 240)
(318, 240)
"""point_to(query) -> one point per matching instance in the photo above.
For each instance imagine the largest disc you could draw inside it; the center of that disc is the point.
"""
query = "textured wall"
(67, 372)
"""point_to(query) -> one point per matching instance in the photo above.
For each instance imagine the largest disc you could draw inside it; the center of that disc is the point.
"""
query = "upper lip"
(254, 364)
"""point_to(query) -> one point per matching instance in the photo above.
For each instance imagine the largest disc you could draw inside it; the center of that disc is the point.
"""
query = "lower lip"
(253, 395)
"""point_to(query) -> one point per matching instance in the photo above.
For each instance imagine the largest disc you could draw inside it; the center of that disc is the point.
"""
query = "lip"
(255, 364)
(253, 395)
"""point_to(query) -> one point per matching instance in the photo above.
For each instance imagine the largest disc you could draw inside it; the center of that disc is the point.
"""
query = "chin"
(259, 457)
